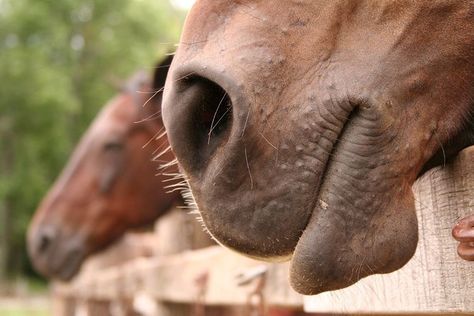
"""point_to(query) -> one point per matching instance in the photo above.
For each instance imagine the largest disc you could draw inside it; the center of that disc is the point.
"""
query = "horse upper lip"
(330, 158)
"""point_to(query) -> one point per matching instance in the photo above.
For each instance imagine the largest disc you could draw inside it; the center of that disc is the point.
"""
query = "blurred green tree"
(59, 63)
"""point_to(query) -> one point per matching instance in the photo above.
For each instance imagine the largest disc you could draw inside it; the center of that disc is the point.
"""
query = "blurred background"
(60, 61)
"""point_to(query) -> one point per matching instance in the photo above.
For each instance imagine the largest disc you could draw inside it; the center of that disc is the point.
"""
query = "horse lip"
(71, 265)
(224, 78)
(318, 203)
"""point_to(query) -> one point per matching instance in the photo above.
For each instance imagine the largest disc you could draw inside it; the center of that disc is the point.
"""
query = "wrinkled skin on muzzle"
(301, 126)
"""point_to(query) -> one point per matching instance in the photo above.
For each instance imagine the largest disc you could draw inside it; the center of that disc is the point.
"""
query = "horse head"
(110, 183)
(302, 125)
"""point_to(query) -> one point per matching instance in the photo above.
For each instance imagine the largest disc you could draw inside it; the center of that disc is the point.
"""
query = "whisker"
(161, 135)
(248, 168)
(171, 179)
(248, 13)
(214, 118)
(153, 138)
(160, 147)
(173, 176)
(245, 124)
(442, 149)
(261, 134)
(145, 92)
(169, 164)
(162, 153)
(221, 118)
(152, 117)
(151, 98)
(165, 168)
(221, 168)
(185, 76)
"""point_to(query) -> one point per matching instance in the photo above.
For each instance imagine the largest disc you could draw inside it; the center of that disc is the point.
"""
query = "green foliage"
(60, 61)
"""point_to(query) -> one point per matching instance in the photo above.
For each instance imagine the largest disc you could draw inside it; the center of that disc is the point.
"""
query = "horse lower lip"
(70, 266)
(319, 206)
(359, 219)
(64, 262)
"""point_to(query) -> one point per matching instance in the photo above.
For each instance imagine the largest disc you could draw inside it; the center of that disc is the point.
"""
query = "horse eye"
(113, 146)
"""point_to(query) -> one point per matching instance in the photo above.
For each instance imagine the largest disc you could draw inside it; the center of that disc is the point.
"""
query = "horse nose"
(198, 118)
(44, 240)
(54, 252)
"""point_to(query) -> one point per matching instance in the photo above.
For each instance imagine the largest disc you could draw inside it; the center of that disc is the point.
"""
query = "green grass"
(24, 312)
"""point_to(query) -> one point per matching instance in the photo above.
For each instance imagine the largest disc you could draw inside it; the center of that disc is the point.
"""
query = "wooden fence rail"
(434, 281)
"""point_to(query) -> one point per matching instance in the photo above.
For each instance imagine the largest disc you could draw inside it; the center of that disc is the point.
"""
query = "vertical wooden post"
(177, 232)
(63, 306)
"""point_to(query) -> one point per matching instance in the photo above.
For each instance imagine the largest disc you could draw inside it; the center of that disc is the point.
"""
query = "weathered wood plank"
(435, 280)
(179, 231)
(175, 279)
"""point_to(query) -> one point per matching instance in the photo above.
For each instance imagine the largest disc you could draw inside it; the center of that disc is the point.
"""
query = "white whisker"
(248, 168)
(214, 118)
(153, 138)
(268, 141)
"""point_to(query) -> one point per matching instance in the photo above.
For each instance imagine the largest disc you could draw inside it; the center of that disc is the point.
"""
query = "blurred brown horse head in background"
(110, 183)
(302, 125)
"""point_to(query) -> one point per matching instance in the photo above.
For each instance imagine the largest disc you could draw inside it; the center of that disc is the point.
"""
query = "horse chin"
(359, 227)
(71, 267)
(333, 253)
(68, 268)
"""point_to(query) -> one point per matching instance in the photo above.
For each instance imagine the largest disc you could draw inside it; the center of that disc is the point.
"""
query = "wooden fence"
(200, 282)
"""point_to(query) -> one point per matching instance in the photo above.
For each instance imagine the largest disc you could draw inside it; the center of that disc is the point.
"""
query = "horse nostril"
(45, 240)
(213, 112)
(203, 123)
(44, 243)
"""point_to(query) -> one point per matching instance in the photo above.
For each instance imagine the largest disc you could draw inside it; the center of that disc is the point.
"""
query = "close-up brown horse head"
(302, 125)
(110, 183)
